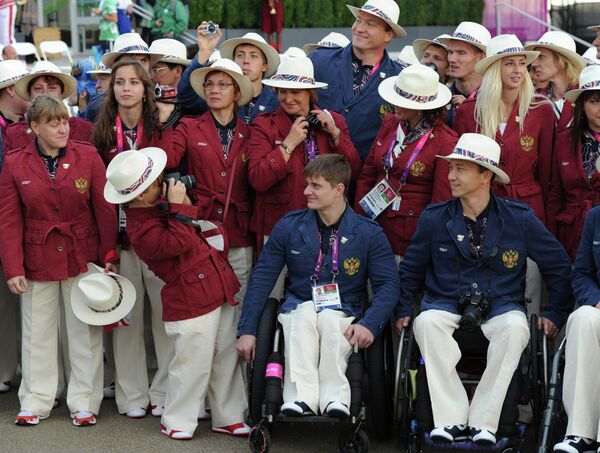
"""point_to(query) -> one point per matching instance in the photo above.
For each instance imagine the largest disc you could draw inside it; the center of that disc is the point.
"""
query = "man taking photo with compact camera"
(469, 257)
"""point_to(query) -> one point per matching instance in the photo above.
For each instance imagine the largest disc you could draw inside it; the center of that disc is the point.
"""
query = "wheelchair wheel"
(537, 373)
(380, 367)
(256, 371)
(353, 441)
(259, 439)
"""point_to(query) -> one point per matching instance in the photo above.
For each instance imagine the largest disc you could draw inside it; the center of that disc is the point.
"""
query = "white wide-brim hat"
(101, 69)
(227, 50)
(503, 46)
(417, 87)
(101, 298)
(293, 51)
(45, 68)
(589, 79)
(561, 43)
(132, 172)
(407, 57)
(471, 33)
(332, 40)
(419, 45)
(591, 56)
(11, 71)
(481, 150)
(294, 73)
(230, 68)
(173, 51)
(129, 43)
(387, 10)
(594, 27)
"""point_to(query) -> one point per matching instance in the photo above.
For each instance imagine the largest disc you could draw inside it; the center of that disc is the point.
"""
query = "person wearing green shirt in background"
(109, 30)
(170, 19)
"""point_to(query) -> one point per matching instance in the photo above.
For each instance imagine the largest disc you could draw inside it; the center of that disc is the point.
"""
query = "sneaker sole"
(224, 431)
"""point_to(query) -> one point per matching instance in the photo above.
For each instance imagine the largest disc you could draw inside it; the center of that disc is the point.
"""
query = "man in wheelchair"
(470, 254)
(330, 252)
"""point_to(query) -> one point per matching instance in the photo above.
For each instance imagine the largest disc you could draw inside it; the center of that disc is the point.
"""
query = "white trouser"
(240, 259)
(7, 24)
(581, 389)
(316, 356)
(131, 373)
(9, 308)
(533, 287)
(205, 363)
(40, 314)
(279, 287)
(508, 335)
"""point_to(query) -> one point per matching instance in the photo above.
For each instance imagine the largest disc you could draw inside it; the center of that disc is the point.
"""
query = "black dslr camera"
(313, 123)
(473, 307)
(189, 181)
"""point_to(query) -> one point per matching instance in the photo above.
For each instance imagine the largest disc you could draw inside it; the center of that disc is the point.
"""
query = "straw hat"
(254, 39)
(132, 172)
(502, 46)
(129, 43)
(331, 41)
(417, 87)
(591, 56)
(100, 69)
(387, 10)
(419, 45)
(45, 68)
(469, 32)
(230, 68)
(173, 51)
(294, 73)
(594, 27)
(101, 298)
(11, 71)
(293, 52)
(481, 150)
(589, 79)
(407, 57)
(561, 43)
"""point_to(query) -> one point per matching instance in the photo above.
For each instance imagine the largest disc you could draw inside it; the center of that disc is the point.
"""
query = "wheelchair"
(412, 406)
(369, 372)
(554, 421)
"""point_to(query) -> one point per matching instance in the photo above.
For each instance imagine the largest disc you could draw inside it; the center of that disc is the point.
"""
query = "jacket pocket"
(203, 286)
(87, 241)
(33, 250)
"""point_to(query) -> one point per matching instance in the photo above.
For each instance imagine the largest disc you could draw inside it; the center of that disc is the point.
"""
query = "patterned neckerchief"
(360, 74)
(590, 152)
(51, 162)
(476, 230)
(248, 109)
(226, 134)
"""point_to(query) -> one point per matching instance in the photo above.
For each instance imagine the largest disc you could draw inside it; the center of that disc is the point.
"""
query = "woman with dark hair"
(53, 222)
(575, 186)
(128, 120)
(404, 154)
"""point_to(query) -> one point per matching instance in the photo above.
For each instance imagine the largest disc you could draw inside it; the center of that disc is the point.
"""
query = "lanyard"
(138, 135)
(3, 124)
(595, 135)
(389, 159)
(334, 259)
(310, 146)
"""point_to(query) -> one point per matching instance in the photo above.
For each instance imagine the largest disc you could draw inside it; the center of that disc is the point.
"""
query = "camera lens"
(211, 28)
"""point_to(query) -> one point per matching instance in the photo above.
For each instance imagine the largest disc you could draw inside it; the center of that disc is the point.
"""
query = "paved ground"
(115, 433)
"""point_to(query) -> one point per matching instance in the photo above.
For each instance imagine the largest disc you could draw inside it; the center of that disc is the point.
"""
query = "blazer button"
(200, 276)
(60, 249)
(346, 110)
(411, 212)
(220, 211)
(56, 208)
(223, 173)
(52, 189)
(272, 161)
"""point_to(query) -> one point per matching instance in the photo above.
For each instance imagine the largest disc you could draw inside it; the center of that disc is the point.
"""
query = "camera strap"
(229, 187)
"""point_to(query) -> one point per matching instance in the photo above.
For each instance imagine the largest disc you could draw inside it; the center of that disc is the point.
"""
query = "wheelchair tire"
(256, 371)
(537, 384)
(352, 441)
(259, 439)
(380, 369)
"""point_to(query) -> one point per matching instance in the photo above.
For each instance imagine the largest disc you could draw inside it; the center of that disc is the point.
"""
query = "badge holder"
(326, 296)
(378, 199)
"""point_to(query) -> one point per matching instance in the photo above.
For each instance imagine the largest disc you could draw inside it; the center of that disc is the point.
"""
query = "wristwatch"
(286, 148)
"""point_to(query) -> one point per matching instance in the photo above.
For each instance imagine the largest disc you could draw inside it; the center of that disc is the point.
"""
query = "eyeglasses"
(222, 86)
(155, 71)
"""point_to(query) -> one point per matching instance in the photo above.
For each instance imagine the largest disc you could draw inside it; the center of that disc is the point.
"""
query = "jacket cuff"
(185, 209)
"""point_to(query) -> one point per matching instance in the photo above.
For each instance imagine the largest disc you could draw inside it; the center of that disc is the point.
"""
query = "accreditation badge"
(326, 297)
(378, 199)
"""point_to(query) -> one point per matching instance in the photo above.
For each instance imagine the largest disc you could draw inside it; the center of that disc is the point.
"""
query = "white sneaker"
(203, 414)
(157, 410)
(136, 412)
(450, 433)
(482, 436)
(575, 444)
(4, 387)
(109, 390)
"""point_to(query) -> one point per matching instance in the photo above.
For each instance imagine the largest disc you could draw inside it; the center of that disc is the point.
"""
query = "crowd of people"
(343, 182)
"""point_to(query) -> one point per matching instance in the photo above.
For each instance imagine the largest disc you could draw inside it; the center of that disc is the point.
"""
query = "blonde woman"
(508, 111)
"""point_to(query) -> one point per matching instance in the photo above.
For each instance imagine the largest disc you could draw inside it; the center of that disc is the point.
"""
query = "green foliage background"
(331, 13)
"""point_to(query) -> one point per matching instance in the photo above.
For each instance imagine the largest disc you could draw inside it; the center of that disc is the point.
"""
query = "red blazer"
(198, 279)
(279, 184)
(19, 134)
(571, 194)
(50, 230)
(197, 139)
(427, 180)
(526, 157)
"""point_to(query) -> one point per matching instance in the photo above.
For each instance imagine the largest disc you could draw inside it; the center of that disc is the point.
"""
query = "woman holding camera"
(284, 141)
(214, 147)
(404, 152)
(129, 120)
(53, 222)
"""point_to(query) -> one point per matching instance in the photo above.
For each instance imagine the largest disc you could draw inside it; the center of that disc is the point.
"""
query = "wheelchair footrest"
(466, 445)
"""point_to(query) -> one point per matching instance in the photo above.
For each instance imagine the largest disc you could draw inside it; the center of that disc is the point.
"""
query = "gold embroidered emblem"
(351, 266)
(527, 143)
(510, 258)
(81, 185)
(417, 168)
(244, 158)
(385, 109)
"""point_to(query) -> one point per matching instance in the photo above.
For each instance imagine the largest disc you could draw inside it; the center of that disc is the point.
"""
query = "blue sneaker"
(450, 433)
(575, 444)
(482, 436)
